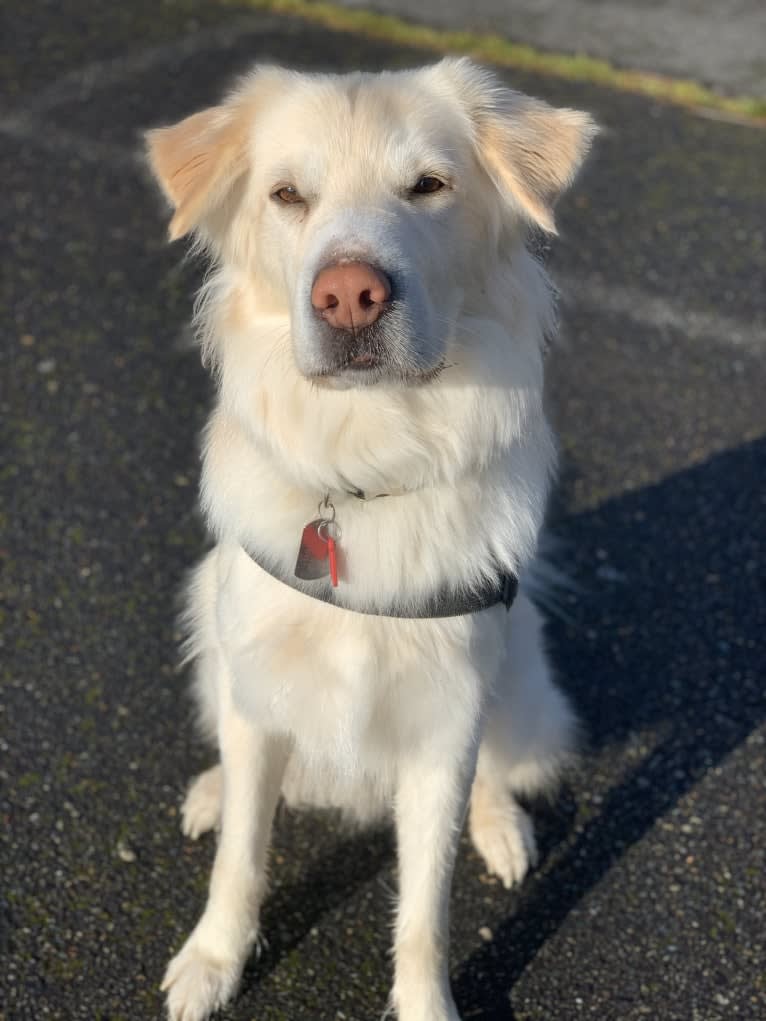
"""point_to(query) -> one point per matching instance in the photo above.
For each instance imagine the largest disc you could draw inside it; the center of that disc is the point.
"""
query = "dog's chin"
(363, 374)
(353, 377)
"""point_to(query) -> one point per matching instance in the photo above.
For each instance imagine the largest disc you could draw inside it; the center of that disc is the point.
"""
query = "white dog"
(375, 475)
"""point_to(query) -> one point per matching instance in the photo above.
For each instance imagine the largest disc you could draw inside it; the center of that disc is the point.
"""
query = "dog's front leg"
(206, 972)
(432, 795)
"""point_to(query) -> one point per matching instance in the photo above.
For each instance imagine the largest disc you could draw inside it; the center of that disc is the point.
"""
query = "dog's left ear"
(532, 151)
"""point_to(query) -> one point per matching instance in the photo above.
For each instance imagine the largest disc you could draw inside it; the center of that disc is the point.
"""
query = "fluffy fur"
(421, 718)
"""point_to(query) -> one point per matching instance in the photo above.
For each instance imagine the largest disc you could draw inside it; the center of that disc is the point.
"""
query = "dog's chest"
(351, 690)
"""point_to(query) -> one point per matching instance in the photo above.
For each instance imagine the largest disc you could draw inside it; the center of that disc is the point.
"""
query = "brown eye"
(288, 194)
(427, 185)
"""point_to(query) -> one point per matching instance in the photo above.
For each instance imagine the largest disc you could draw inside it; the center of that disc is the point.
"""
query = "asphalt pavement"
(650, 898)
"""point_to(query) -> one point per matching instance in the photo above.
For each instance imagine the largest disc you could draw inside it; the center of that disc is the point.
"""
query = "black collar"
(446, 603)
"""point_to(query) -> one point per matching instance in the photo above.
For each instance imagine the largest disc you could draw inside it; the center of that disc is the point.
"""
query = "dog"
(375, 474)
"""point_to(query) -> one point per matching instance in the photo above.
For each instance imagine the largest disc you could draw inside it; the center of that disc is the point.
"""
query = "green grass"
(496, 50)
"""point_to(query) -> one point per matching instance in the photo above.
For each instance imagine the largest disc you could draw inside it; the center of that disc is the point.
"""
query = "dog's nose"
(350, 294)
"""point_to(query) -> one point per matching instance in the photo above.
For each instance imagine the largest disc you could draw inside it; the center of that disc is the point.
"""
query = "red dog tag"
(317, 555)
(312, 554)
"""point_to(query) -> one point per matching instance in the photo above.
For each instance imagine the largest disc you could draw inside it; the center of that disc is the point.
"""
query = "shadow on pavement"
(666, 646)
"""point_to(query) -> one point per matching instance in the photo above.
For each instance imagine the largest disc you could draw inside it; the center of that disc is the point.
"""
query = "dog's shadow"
(661, 641)
(332, 863)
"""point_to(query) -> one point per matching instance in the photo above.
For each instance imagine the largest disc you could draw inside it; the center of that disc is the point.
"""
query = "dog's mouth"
(363, 357)
(365, 360)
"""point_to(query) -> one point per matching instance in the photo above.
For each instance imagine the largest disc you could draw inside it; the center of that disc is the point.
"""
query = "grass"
(497, 50)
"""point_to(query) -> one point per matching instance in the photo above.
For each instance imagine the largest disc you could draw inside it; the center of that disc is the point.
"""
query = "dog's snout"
(350, 294)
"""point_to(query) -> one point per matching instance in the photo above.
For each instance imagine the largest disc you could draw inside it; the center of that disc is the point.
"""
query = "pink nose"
(350, 294)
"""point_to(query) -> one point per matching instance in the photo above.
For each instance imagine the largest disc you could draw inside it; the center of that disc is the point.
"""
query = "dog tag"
(313, 554)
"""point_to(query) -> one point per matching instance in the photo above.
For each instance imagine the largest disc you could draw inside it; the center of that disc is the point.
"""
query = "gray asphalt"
(650, 898)
(721, 45)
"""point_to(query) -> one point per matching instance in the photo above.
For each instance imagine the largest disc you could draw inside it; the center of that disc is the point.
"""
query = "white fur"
(326, 706)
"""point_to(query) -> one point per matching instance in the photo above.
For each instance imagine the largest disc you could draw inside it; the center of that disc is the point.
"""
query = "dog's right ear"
(198, 160)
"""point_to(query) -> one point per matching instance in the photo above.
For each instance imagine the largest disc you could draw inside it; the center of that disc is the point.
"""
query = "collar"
(360, 494)
(444, 603)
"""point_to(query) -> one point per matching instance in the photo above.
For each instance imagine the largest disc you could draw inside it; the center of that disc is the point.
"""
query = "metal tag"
(312, 562)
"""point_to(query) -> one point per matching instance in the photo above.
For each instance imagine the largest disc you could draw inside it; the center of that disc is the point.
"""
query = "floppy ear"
(197, 161)
(531, 150)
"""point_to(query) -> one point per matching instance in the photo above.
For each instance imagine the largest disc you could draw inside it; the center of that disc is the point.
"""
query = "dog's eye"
(288, 194)
(427, 185)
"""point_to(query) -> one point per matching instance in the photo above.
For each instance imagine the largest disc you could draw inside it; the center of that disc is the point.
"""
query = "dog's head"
(369, 208)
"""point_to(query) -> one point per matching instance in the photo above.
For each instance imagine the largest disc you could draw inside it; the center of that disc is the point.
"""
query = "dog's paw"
(504, 836)
(197, 983)
(201, 810)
